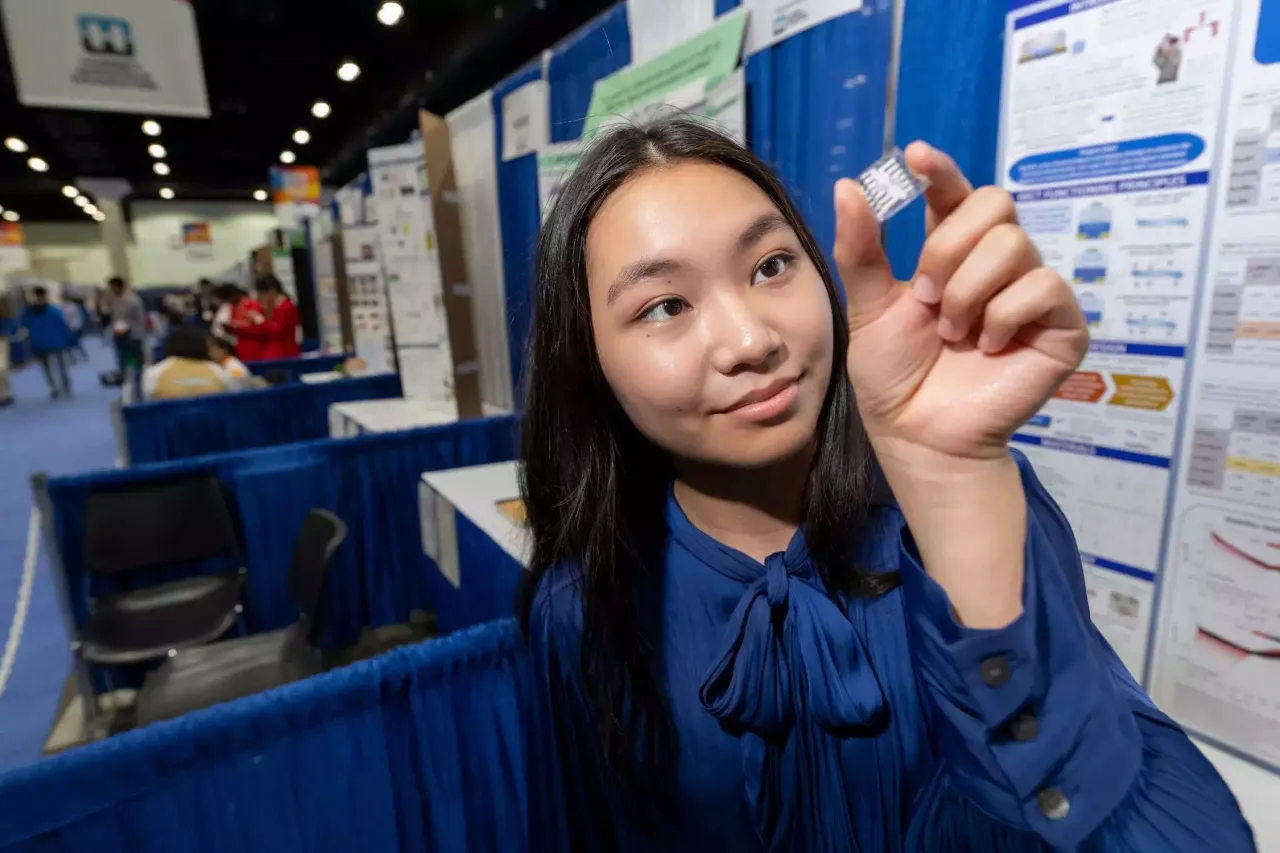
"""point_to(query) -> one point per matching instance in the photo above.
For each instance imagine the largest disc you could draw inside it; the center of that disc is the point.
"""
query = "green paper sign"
(712, 54)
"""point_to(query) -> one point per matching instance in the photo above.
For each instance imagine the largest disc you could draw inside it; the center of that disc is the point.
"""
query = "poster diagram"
(1109, 121)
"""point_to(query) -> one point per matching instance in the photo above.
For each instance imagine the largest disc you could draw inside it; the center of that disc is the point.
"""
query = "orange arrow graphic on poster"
(1083, 386)
(1152, 393)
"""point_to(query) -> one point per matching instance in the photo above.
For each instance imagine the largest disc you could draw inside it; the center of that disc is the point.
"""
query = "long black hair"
(594, 487)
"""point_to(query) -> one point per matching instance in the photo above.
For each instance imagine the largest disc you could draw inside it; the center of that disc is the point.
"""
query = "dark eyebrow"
(640, 270)
(765, 223)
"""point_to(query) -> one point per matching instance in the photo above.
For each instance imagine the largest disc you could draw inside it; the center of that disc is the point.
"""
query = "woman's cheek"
(656, 381)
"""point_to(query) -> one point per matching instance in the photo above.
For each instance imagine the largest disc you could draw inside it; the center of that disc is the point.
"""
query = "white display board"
(1141, 140)
(1216, 666)
(134, 56)
(1109, 149)
(411, 264)
(366, 289)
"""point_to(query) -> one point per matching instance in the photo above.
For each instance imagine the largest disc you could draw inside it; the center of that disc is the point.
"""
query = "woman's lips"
(767, 403)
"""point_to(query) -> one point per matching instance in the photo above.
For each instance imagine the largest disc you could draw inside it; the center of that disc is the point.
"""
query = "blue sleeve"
(1040, 726)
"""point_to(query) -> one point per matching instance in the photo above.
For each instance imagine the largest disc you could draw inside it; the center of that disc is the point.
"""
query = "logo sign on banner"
(711, 54)
(295, 190)
(133, 56)
(11, 234)
(295, 184)
(198, 239)
(775, 20)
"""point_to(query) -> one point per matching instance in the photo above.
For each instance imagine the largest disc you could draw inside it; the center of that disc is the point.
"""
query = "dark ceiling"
(265, 63)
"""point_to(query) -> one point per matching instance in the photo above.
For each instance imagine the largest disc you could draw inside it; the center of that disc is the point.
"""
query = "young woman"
(236, 309)
(276, 330)
(791, 590)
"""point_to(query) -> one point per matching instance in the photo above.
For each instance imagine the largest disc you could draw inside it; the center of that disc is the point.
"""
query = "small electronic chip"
(890, 185)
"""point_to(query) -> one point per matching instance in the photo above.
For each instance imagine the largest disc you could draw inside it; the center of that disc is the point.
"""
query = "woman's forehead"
(684, 210)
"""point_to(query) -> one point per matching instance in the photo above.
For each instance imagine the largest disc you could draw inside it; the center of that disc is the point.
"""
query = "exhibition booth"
(1163, 450)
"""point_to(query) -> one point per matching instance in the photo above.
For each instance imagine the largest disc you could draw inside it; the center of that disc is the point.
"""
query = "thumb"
(868, 280)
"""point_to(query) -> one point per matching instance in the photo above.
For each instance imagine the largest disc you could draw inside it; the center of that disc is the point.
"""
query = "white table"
(474, 492)
(1257, 791)
(365, 416)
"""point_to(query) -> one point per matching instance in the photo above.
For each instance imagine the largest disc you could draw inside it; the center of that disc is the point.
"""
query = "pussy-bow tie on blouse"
(792, 677)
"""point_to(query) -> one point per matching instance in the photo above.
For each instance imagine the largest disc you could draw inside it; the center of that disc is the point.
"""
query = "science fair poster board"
(1141, 141)
(371, 329)
(1216, 661)
(410, 261)
(1108, 130)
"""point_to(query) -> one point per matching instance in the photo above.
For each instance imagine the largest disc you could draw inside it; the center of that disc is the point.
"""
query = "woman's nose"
(741, 338)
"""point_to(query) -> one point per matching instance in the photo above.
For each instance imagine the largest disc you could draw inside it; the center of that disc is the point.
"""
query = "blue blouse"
(885, 725)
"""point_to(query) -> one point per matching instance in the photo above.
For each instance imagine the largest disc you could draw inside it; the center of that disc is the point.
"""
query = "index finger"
(948, 187)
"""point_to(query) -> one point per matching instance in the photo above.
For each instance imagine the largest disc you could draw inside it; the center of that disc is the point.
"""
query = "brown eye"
(772, 267)
(665, 310)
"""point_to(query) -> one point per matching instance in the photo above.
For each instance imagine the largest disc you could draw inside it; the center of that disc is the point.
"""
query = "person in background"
(186, 369)
(49, 336)
(278, 330)
(73, 311)
(237, 308)
(206, 303)
(128, 323)
(222, 352)
(9, 329)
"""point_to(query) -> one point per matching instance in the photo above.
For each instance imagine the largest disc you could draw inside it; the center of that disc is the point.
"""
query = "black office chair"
(131, 535)
(200, 677)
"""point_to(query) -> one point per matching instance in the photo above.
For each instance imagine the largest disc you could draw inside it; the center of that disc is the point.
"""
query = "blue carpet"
(62, 437)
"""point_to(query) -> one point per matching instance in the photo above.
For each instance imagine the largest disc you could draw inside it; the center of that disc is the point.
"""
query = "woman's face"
(712, 325)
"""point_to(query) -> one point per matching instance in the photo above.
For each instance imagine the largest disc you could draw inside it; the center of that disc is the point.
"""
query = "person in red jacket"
(278, 329)
(237, 309)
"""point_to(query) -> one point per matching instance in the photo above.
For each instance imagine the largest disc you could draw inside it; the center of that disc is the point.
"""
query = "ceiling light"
(38, 165)
(348, 71)
(99, 216)
(151, 127)
(15, 145)
(301, 137)
(81, 201)
(10, 216)
(390, 13)
(259, 195)
(70, 191)
(160, 168)
(286, 156)
(166, 193)
(157, 151)
(320, 109)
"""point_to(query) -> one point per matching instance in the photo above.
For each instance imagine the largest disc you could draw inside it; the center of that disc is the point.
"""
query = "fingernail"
(927, 290)
(947, 330)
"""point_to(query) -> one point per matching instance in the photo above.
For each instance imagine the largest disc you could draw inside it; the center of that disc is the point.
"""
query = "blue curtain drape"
(425, 748)
(380, 574)
(948, 95)
(489, 579)
(296, 367)
(179, 429)
(594, 51)
(519, 219)
(816, 106)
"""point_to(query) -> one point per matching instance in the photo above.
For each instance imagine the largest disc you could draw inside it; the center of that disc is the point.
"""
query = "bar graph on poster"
(1141, 142)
